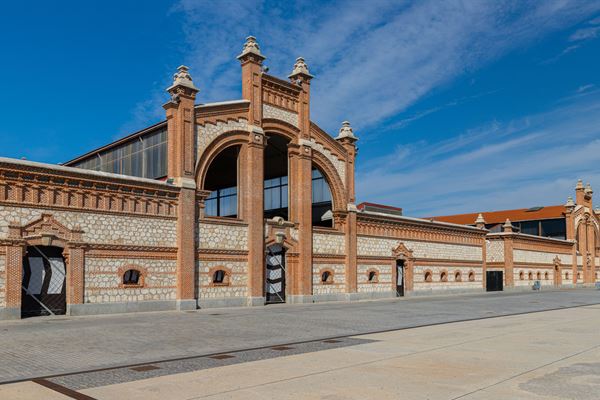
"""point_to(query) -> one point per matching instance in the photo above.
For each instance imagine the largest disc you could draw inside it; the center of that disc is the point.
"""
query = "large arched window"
(322, 214)
(276, 177)
(221, 180)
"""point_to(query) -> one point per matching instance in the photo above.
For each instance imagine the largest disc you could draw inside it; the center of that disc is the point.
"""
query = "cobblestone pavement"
(57, 345)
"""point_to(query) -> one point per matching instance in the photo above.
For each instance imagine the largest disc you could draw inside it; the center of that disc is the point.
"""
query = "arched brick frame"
(428, 276)
(143, 275)
(530, 276)
(331, 278)
(401, 252)
(278, 127)
(222, 142)
(338, 193)
(457, 276)
(44, 231)
(471, 276)
(375, 277)
(443, 275)
(226, 280)
(521, 275)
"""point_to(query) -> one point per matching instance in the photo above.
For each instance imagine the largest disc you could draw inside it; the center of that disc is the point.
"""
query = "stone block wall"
(215, 235)
(384, 279)
(270, 111)
(329, 243)
(372, 246)
(100, 228)
(495, 251)
(208, 132)
(237, 285)
(451, 283)
(2, 280)
(539, 257)
(339, 279)
(103, 280)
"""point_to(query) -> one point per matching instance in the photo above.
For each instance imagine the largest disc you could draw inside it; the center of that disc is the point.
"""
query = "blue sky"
(459, 106)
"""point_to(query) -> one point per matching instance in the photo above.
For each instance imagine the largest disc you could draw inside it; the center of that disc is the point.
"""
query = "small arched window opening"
(530, 276)
(444, 276)
(471, 276)
(373, 276)
(457, 276)
(428, 276)
(539, 276)
(522, 275)
(327, 277)
(566, 275)
(578, 276)
(132, 277)
(220, 277)
(546, 276)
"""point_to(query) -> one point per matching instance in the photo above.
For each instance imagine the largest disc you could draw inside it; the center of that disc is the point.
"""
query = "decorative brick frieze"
(46, 186)
(495, 251)
(280, 93)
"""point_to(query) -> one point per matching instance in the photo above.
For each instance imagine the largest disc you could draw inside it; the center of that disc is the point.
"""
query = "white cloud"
(506, 166)
(585, 33)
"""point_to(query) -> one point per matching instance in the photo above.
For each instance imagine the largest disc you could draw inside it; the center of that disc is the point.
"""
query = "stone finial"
(346, 132)
(251, 47)
(507, 227)
(300, 68)
(183, 78)
(579, 184)
(480, 221)
(570, 202)
(588, 188)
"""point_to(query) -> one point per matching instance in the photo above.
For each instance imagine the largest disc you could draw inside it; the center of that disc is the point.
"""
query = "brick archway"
(401, 252)
(44, 231)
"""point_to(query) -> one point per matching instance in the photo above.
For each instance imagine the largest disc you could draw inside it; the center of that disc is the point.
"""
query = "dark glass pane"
(210, 207)
(530, 227)
(554, 228)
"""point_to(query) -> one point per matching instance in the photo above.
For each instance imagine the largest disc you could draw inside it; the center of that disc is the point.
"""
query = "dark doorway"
(399, 278)
(275, 274)
(494, 281)
(43, 291)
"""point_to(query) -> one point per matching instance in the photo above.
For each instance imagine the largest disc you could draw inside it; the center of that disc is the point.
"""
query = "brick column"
(181, 140)
(75, 260)
(253, 203)
(14, 280)
(351, 254)
(252, 169)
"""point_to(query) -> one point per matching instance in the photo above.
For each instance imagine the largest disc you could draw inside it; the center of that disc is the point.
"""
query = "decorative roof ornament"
(251, 47)
(346, 132)
(300, 68)
(588, 188)
(507, 227)
(480, 219)
(570, 202)
(579, 184)
(183, 78)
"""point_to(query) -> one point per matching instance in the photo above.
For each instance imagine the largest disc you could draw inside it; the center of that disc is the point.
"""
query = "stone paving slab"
(49, 346)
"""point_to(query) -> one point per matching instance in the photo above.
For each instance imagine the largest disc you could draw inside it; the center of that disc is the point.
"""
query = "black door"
(494, 281)
(44, 282)
(399, 278)
(275, 274)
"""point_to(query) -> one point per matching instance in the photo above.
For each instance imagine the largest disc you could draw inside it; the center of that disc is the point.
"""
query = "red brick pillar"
(509, 279)
(75, 260)
(252, 167)
(181, 139)
(14, 280)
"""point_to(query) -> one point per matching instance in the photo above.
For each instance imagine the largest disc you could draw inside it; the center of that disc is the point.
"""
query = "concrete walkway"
(547, 355)
(49, 346)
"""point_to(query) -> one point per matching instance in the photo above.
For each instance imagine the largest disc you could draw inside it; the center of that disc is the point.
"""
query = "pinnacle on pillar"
(570, 203)
(579, 184)
(251, 51)
(300, 70)
(346, 132)
(480, 221)
(183, 79)
(507, 227)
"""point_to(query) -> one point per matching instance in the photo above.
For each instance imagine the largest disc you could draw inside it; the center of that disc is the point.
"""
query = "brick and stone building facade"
(242, 203)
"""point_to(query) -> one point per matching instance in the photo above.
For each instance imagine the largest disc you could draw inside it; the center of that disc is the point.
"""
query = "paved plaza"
(318, 351)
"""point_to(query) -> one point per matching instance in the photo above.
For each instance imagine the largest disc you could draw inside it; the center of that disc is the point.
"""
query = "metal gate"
(494, 281)
(399, 278)
(43, 291)
(275, 274)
